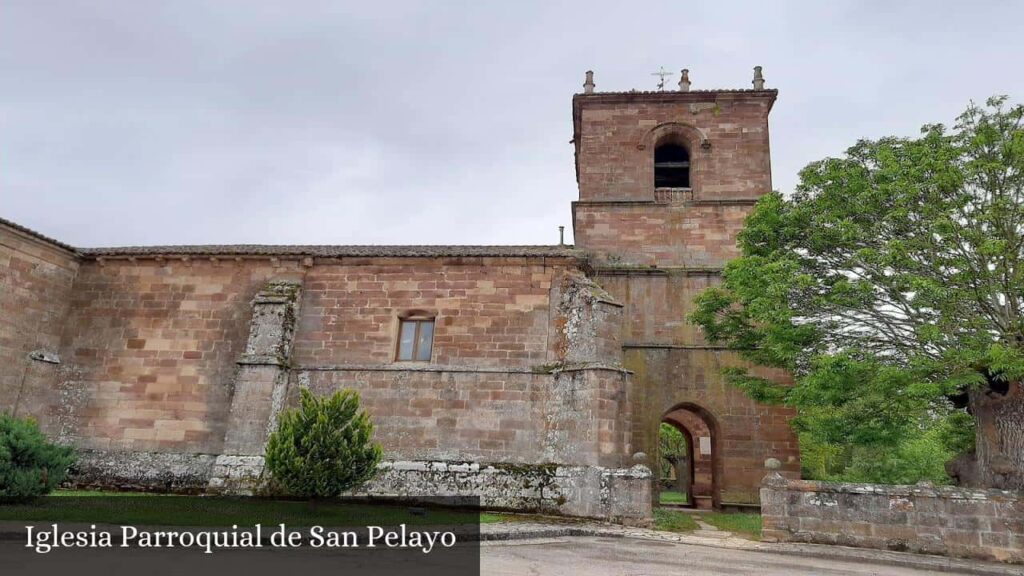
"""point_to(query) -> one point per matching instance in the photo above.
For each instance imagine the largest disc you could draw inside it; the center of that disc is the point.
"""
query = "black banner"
(200, 536)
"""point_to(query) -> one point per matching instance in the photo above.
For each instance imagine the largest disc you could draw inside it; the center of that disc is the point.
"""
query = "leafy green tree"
(30, 465)
(891, 285)
(917, 457)
(324, 447)
(673, 451)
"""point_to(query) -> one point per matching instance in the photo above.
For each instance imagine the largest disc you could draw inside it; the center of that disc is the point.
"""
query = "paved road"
(633, 557)
(570, 556)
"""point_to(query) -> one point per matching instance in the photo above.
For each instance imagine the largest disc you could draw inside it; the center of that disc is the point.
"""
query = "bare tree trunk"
(683, 477)
(998, 457)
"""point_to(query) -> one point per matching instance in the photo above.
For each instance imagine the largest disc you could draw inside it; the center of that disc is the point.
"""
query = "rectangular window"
(415, 340)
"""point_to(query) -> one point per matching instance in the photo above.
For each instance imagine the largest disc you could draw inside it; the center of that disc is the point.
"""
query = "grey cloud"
(423, 122)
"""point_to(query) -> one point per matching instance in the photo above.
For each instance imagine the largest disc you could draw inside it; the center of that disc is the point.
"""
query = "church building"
(533, 377)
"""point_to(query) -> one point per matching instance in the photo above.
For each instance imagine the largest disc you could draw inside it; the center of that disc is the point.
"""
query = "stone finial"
(640, 457)
(773, 478)
(684, 81)
(758, 79)
(588, 86)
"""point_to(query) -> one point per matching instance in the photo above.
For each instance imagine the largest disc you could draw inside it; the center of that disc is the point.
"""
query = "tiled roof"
(36, 235)
(327, 251)
(323, 251)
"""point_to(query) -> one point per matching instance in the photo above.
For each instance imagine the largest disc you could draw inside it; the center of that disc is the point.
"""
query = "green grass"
(493, 518)
(113, 508)
(670, 497)
(742, 524)
(66, 493)
(673, 520)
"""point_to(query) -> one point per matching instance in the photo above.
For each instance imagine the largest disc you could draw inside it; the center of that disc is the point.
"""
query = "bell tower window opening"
(671, 166)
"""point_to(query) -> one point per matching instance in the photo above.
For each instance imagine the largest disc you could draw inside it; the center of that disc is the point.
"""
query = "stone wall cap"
(634, 471)
(676, 94)
(776, 480)
(947, 492)
(668, 96)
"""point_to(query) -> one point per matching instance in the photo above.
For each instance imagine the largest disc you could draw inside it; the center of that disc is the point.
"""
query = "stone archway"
(701, 430)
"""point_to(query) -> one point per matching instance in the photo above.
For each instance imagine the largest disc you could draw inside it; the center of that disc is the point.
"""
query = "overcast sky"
(177, 122)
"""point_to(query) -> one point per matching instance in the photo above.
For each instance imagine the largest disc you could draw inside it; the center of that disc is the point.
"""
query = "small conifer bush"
(324, 447)
(30, 465)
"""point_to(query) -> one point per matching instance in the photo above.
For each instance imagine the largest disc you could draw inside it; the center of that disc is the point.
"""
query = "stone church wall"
(672, 365)
(176, 367)
(154, 344)
(516, 417)
(489, 313)
(634, 235)
(744, 433)
(36, 277)
(151, 348)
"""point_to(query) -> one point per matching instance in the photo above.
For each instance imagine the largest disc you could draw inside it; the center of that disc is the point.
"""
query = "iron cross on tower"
(661, 74)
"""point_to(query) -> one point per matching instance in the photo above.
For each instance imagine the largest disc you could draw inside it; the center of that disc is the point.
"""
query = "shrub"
(324, 447)
(30, 465)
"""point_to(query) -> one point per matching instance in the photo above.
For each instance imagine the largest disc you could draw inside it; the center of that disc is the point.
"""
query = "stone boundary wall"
(611, 494)
(951, 521)
(178, 473)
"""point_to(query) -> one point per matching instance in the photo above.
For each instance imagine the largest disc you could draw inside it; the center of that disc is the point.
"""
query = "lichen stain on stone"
(580, 319)
(74, 394)
(817, 499)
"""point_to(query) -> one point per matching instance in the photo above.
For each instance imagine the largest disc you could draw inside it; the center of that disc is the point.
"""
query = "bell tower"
(666, 178)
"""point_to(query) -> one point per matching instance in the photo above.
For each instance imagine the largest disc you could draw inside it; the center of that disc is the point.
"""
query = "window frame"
(418, 319)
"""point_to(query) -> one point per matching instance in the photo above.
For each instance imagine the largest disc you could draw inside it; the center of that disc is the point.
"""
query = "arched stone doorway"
(700, 430)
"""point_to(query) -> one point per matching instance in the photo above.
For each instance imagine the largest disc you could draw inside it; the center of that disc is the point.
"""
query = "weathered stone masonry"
(177, 364)
(36, 277)
(654, 250)
(551, 368)
(982, 524)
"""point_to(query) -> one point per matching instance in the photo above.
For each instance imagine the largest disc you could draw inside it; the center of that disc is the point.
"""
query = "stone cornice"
(637, 270)
(424, 367)
(655, 346)
(652, 203)
(299, 260)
